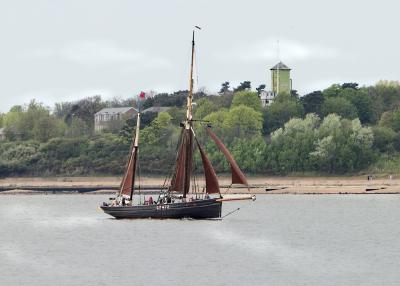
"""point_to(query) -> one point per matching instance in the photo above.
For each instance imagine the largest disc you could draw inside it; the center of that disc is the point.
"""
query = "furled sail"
(237, 175)
(129, 177)
(180, 182)
(212, 185)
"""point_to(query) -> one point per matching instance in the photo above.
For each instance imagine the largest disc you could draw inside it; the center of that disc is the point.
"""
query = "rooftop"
(280, 66)
(114, 110)
(157, 109)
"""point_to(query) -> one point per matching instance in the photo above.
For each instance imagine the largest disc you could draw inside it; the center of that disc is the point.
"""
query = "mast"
(183, 169)
(188, 125)
(135, 150)
(190, 96)
(277, 75)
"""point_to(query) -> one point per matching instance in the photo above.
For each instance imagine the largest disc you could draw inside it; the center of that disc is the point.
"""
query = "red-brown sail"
(212, 185)
(237, 175)
(181, 179)
(189, 160)
(129, 177)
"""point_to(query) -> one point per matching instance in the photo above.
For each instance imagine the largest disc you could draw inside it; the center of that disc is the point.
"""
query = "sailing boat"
(176, 201)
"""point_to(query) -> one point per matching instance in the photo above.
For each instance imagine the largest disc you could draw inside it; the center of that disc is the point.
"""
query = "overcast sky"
(65, 50)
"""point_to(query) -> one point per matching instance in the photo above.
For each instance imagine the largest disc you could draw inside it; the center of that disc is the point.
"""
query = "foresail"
(128, 180)
(237, 175)
(212, 185)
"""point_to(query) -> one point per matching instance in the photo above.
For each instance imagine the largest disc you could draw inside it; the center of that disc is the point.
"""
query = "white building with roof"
(112, 118)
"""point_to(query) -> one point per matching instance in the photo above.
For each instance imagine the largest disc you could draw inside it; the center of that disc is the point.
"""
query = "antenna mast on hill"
(277, 75)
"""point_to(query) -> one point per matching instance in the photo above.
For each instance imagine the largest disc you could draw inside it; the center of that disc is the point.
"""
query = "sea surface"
(276, 240)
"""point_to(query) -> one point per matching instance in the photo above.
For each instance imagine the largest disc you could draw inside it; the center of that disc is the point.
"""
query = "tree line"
(343, 129)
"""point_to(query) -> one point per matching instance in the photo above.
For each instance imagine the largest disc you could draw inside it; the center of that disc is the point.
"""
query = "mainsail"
(180, 182)
(237, 175)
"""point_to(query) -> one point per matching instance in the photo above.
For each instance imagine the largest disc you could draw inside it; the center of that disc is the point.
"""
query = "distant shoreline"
(151, 185)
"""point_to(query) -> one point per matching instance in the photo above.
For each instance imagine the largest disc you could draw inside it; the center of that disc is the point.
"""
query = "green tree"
(243, 122)
(260, 88)
(350, 85)
(391, 119)
(203, 108)
(339, 106)
(385, 139)
(290, 146)
(246, 85)
(343, 145)
(250, 154)
(13, 124)
(284, 108)
(62, 109)
(224, 87)
(332, 91)
(217, 119)
(385, 96)
(361, 101)
(312, 102)
(47, 127)
(157, 130)
(223, 100)
(247, 98)
(178, 114)
(77, 128)
(85, 110)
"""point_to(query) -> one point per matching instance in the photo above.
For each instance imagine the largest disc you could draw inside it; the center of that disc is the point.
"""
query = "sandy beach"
(259, 185)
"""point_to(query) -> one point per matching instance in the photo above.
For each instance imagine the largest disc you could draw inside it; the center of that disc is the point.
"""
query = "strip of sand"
(259, 185)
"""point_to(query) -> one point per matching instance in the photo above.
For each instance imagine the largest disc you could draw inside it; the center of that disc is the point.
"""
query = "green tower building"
(280, 79)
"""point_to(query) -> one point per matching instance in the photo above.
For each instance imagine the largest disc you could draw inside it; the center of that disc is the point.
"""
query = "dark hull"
(200, 209)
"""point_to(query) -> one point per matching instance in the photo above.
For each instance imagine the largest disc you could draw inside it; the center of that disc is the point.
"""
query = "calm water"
(277, 240)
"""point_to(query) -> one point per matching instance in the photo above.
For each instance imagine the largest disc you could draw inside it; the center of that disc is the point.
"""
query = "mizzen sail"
(129, 177)
(128, 182)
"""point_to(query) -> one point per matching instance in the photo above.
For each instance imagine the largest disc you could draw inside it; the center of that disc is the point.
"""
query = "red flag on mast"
(142, 95)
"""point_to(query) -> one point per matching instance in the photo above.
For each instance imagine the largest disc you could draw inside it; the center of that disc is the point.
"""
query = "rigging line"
(195, 165)
(165, 181)
(231, 212)
(139, 177)
(227, 190)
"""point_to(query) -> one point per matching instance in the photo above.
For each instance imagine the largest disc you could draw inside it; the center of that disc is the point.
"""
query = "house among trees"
(280, 83)
(112, 118)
